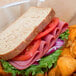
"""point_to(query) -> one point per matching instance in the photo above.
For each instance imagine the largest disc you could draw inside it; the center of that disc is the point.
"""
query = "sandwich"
(32, 44)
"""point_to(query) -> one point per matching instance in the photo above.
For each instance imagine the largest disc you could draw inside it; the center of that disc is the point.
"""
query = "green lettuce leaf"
(64, 35)
(44, 64)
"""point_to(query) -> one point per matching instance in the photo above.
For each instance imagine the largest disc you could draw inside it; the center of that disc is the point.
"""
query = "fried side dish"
(54, 72)
(66, 64)
(40, 74)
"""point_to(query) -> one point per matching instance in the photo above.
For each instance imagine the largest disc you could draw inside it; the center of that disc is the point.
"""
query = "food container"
(65, 10)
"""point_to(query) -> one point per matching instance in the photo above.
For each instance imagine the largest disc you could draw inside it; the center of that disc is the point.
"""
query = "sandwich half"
(32, 43)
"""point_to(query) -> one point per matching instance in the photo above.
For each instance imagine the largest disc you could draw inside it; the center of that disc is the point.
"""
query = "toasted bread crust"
(23, 32)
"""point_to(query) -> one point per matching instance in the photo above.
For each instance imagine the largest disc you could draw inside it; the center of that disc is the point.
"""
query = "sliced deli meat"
(46, 43)
(29, 51)
(25, 64)
(63, 27)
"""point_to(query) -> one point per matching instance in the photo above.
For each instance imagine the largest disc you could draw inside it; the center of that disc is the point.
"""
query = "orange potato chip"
(40, 74)
(73, 49)
(72, 35)
(66, 52)
(54, 72)
(72, 26)
(72, 32)
(67, 65)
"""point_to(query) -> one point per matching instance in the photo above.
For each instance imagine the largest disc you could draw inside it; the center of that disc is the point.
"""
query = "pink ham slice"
(49, 39)
(47, 42)
(25, 64)
(64, 26)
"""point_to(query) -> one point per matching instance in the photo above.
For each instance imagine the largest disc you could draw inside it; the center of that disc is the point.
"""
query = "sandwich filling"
(42, 53)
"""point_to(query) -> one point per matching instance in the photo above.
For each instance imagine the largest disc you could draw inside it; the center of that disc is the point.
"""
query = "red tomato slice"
(28, 53)
(48, 29)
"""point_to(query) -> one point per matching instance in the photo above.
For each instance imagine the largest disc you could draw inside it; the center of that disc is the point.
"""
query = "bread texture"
(21, 33)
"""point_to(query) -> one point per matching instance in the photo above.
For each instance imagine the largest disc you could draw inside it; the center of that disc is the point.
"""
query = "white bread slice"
(19, 35)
